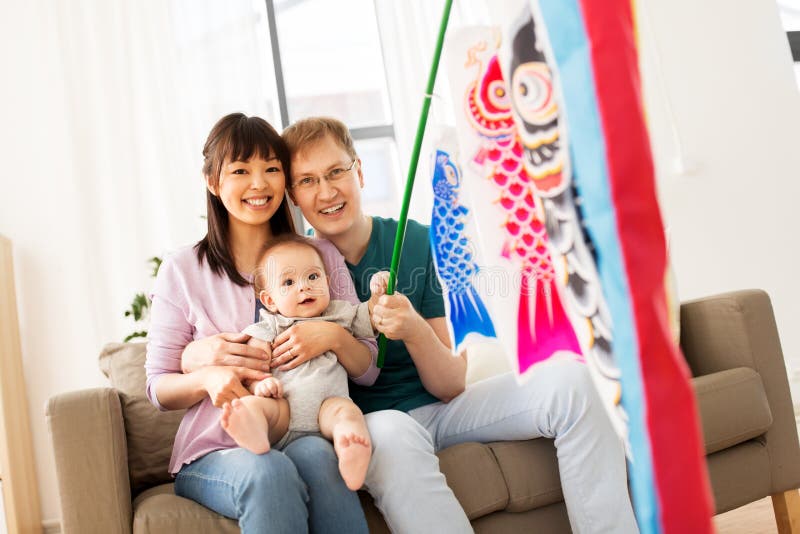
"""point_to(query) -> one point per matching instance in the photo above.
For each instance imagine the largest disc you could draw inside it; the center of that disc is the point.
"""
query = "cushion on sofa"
(158, 510)
(733, 407)
(473, 474)
(150, 433)
(530, 469)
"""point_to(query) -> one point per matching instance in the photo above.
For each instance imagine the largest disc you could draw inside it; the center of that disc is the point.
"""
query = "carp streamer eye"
(498, 96)
(452, 177)
(532, 90)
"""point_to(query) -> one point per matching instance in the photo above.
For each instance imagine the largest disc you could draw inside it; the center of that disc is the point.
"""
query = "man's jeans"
(559, 401)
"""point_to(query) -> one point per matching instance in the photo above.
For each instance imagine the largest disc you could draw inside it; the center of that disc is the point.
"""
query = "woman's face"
(330, 206)
(251, 190)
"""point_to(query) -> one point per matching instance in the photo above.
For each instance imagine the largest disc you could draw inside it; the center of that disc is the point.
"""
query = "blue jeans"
(295, 490)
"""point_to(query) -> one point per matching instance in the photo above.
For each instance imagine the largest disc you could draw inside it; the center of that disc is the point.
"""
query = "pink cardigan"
(191, 302)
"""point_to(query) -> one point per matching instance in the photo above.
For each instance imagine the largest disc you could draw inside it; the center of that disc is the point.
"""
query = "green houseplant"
(140, 306)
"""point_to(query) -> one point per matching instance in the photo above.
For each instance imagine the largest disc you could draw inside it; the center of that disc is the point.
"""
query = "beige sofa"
(112, 447)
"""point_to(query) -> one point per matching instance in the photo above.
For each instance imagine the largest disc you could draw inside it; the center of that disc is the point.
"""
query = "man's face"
(331, 207)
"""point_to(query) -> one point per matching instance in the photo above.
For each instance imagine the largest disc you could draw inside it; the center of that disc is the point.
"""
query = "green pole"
(412, 168)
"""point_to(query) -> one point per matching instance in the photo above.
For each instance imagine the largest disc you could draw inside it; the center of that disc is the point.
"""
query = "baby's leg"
(255, 422)
(342, 422)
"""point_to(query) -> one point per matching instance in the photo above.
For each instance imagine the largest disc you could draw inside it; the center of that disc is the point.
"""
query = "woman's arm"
(227, 348)
(169, 333)
(222, 384)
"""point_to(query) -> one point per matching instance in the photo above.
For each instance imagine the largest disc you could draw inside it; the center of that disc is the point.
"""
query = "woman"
(202, 298)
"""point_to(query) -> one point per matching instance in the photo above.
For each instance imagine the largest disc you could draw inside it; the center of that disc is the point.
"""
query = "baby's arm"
(263, 331)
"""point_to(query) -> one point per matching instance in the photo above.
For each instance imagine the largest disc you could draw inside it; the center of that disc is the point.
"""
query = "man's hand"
(395, 317)
(224, 384)
(269, 387)
(226, 349)
(302, 342)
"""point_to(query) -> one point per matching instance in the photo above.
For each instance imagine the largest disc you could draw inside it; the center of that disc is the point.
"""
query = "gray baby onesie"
(307, 385)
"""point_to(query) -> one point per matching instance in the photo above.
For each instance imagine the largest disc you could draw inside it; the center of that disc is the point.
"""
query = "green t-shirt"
(398, 387)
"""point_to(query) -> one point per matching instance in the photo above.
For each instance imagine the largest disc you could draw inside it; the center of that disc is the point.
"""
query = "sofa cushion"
(733, 407)
(158, 510)
(530, 470)
(473, 474)
(150, 433)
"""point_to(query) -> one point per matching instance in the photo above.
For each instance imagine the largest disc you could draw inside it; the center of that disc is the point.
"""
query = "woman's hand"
(302, 342)
(224, 384)
(395, 317)
(226, 349)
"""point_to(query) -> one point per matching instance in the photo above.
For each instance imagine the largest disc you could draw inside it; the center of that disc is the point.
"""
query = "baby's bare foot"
(247, 426)
(354, 452)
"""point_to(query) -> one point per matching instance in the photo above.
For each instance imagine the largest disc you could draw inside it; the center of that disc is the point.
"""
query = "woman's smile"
(258, 203)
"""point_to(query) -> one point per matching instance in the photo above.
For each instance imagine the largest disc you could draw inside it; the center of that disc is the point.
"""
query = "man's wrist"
(419, 331)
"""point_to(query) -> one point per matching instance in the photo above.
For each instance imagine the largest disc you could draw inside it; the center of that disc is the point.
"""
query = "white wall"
(104, 108)
(724, 74)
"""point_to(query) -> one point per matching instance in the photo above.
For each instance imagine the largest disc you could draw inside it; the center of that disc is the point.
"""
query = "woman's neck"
(246, 243)
(353, 242)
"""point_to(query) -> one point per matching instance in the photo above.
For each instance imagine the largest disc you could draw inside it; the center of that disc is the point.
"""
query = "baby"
(313, 397)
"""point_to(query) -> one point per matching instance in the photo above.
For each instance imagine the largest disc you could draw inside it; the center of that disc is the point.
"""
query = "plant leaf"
(140, 333)
(155, 263)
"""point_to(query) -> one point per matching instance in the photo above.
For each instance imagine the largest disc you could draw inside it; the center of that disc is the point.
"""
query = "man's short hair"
(312, 129)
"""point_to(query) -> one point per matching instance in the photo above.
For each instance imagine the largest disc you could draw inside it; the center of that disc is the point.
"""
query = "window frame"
(366, 133)
(794, 44)
(358, 134)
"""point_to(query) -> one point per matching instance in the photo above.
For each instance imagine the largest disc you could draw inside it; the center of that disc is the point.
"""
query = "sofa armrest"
(738, 330)
(88, 436)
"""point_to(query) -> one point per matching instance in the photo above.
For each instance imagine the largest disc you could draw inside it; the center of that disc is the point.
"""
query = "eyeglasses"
(311, 182)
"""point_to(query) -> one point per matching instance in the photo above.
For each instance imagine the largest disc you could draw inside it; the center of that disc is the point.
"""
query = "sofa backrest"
(150, 433)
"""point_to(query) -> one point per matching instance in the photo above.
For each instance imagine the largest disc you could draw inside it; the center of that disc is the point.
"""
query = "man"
(419, 403)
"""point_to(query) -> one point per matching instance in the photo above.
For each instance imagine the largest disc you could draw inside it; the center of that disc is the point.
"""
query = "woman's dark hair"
(237, 137)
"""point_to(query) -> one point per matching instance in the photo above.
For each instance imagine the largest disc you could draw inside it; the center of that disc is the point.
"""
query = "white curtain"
(105, 105)
(408, 31)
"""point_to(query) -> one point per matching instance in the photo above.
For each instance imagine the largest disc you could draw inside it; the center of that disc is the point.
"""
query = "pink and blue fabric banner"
(548, 236)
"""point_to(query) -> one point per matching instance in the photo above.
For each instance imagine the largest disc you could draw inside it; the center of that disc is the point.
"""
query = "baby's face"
(296, 284)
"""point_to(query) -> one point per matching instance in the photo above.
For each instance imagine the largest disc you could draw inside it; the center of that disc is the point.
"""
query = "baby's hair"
(283, 240)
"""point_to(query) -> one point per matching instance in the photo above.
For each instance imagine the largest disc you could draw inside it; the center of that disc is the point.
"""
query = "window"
(328, 61)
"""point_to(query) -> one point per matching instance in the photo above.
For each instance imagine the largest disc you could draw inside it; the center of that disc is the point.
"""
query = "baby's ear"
(267, 301)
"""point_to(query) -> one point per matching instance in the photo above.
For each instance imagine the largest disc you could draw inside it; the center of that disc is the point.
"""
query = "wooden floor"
(754, 518)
